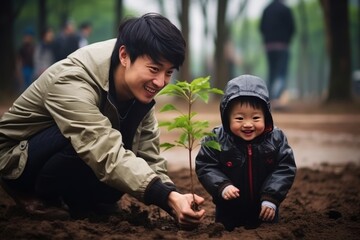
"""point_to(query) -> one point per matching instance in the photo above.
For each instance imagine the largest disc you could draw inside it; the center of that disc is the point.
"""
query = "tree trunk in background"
(204, 47)
(64, 9)
(118, 15)
(303, 82)
(42, 20)
(220, 64)
(8, 14)
(338, 44)
(184, 74)
(358, 32)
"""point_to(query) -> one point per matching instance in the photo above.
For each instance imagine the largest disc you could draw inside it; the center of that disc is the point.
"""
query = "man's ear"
(123, 56)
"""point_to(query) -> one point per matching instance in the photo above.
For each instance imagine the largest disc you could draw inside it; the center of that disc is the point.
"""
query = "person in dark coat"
(66, 42)
(25, 55)
(277, 29)
(253, 172)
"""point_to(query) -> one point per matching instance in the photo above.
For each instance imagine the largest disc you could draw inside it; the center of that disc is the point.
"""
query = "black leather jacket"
(263, 169)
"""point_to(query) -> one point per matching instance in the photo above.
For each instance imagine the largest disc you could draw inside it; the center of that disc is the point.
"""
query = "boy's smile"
(246, 122)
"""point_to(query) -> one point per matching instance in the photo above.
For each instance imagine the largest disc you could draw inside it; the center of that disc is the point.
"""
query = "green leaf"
(172, 90)
(213, 144)
(216, 91)
(164, 123)
(204, 96)
(168, 107)
(167, 146)
(183, 139)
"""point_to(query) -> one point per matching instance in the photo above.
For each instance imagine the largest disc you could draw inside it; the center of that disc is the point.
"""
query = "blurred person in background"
(85, 30)
(66, 42)
(25, 58)
(44, 52)
(277, 28)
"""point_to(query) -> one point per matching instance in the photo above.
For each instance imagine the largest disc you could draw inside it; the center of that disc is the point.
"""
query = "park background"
(223, 38)
(322, 122)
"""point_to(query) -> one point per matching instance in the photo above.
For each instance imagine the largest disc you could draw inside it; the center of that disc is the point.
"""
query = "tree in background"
(338, 47)
(222, 37)
(305, 61)
(118, 15)
(183, 15)
(183, 7)
(314, 77)
(9, 11)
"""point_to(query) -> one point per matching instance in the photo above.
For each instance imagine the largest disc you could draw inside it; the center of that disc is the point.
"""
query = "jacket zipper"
(250, 171)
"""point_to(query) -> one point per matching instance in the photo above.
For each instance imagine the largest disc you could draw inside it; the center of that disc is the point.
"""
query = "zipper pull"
(249, 150)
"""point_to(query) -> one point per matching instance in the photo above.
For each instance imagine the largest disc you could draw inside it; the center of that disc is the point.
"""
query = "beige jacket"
(71, 94)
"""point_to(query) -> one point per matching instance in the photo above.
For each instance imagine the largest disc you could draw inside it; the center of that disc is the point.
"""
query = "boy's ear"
(123, 55)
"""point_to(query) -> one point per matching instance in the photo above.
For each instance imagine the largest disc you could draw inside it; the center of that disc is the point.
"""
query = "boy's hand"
(267, 213)
(230, 192)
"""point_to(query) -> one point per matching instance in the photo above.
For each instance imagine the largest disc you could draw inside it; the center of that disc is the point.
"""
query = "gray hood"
(245, 86)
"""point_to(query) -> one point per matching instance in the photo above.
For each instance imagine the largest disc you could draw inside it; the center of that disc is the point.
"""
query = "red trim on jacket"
(250, 172)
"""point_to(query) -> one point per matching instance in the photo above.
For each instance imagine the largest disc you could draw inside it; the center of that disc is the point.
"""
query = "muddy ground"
(322, 204)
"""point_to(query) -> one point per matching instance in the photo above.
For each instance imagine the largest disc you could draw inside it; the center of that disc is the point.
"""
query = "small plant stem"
(190, 146)
(191, 176)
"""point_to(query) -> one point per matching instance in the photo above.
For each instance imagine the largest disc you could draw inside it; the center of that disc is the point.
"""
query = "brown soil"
(322, 204)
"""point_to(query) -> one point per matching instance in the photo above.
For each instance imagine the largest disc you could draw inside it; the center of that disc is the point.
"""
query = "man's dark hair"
(152, 35)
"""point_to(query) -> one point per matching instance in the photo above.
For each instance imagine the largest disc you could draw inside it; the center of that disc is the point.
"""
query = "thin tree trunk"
(7, 47)
(338, 43)
(118, 15)
(303, 69)
(42, 21)
(185, 74)
(221, 67)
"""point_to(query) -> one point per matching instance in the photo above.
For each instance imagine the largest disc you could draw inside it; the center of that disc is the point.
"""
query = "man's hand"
(181, 205)
(230, 192)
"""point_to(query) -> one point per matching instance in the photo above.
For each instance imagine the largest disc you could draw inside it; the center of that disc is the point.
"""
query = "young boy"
(253, 172)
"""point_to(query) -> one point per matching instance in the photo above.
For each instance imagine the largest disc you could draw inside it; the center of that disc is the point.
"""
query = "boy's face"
(142, 79)
(246, 122)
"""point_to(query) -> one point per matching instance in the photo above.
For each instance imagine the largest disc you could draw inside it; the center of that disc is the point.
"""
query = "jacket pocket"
(268, 154)
(232, 158)
(14, 160)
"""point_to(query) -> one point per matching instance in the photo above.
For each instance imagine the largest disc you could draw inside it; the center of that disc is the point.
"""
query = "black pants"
(278, 65)
(54, 171)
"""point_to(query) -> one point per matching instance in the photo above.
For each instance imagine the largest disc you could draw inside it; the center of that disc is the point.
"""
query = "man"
(277, 28)
(85, 132)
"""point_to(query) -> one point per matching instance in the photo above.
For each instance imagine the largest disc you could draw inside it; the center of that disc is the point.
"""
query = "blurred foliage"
(247, 38)
(101, 14)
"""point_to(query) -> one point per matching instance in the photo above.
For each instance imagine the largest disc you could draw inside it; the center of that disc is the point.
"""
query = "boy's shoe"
(36, 207)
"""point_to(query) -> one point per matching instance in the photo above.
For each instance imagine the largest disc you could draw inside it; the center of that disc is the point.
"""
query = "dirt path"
(316, 138)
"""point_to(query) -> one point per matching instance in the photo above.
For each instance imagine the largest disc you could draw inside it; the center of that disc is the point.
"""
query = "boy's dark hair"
(253, 102)
(152, 35)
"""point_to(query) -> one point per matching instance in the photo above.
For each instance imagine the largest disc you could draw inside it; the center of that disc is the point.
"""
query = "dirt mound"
(323, 204)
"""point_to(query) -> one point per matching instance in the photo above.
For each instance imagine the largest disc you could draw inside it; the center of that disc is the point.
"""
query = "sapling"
(191, 130)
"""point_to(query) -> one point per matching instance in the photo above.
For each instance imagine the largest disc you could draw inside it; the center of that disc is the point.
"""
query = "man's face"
(143, 78)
